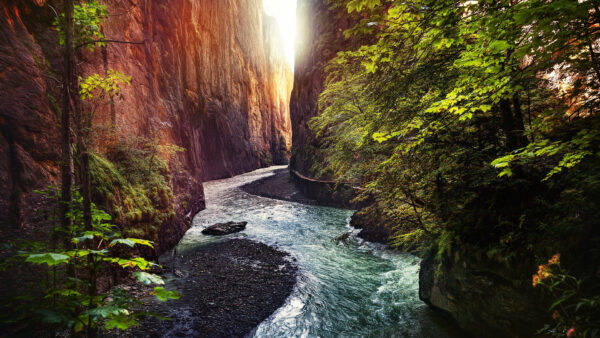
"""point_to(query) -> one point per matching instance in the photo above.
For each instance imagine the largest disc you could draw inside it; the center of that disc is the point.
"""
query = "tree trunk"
(83, 128)
(86, 193)
(508, 124)
(67, 156)
(519, 123)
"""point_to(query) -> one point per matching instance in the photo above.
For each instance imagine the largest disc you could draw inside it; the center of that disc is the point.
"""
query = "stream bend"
(351, 288)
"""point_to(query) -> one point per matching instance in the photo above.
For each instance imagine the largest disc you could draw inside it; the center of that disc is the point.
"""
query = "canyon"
(207, 76)
(319, 38)
(213, 97)
(481, 296)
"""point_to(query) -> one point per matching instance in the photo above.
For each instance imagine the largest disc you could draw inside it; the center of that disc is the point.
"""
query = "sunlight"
(284, 11)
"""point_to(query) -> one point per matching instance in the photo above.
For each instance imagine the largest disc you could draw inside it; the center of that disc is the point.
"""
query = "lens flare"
(284, 11)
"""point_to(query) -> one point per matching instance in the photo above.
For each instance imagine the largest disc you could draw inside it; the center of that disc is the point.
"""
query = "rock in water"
(221, 229)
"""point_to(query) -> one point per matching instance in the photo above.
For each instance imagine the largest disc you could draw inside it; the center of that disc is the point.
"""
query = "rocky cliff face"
(319, 37)
(485, 298)
(208, 76)
(211, 73)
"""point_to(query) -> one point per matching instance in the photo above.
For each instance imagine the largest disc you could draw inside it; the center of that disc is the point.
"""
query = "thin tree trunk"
(508, 125)
(83, 127)
(68, 78)
(86, 193)
(67, 156)
(519, 123)
(84, 178)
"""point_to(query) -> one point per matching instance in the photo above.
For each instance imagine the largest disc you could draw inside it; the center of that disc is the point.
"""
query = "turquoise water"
(344, 289)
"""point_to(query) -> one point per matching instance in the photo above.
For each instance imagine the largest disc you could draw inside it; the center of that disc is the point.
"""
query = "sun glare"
(284, 11)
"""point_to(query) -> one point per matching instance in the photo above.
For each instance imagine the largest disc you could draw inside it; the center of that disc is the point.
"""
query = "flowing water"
(345, 288)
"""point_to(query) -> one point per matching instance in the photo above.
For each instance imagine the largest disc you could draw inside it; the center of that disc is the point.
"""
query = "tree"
(474, 124)
(70, 300)
(68, 86)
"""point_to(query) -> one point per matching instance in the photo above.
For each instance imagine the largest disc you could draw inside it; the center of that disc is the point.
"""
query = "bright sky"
(284, 12)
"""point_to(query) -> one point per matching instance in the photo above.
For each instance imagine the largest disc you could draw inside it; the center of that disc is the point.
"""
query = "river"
(346, 288)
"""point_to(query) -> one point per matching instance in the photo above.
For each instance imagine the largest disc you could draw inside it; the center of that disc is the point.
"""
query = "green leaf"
(148, 278)
(163, 294)
(131, 242)
(499, 46)
(121, 322)
(49, 258)
(137, 262)
(142, 242)
(80, 239)
(124, 241)
(505, 172)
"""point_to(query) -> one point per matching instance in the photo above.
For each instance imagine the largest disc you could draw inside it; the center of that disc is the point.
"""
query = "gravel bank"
(228, 289)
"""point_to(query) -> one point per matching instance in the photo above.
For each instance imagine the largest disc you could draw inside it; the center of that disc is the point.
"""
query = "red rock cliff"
(210, 69)
(209, 76)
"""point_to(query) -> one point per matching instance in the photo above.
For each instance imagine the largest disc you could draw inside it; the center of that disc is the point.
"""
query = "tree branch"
(110, 41)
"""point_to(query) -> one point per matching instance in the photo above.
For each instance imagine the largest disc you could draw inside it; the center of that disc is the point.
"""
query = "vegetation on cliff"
(474, 125)
(67, 288)
(132, 180)
(65, 298)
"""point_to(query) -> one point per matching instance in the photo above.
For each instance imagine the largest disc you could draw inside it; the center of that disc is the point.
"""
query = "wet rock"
(374, 227)
(221, 229)
(343, 239)
(279, 186)
(484, 298)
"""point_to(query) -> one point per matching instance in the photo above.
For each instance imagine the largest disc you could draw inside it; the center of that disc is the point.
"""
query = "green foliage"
(135, 184)
(576, 304)
(563, 154)
(472, 125)
(69, 297)
(163, 295)
(358, 5)
(96, 86)
(49, 258)
(88, 16)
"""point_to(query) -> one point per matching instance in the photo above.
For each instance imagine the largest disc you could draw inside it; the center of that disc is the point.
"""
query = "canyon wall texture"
(213, 73)
(485, 298)
(208, 76)
(319, 36)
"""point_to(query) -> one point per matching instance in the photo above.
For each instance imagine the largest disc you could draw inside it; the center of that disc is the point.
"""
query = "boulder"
(374, 227)
(485, 298)
(221, 229)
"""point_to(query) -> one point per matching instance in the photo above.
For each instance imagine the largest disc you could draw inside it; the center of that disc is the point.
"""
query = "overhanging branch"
(110, 41)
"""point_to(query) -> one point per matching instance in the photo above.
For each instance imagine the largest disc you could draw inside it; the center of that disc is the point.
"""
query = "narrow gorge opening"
(284, 11)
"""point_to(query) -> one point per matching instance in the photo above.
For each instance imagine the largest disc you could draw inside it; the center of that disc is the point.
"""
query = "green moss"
(134, 186)
(265, 159)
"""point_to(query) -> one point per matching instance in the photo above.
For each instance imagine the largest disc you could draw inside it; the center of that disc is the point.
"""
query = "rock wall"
(212, 73)
(319, 36)
(29, 127)
(209, 76)
(485, 298)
